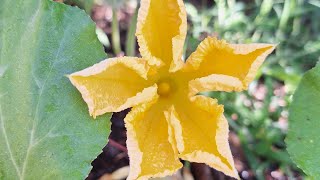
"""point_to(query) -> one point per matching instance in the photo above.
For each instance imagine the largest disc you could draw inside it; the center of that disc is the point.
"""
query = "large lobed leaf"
(45, 128)
(303, 137)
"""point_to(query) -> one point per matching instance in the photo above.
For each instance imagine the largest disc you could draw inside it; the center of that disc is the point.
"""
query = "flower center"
(164, 88)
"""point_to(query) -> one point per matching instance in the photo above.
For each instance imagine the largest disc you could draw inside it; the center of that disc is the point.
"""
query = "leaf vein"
(8, 144)
(36, 116)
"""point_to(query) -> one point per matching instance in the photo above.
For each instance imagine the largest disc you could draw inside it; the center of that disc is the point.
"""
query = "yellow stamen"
(164, 88)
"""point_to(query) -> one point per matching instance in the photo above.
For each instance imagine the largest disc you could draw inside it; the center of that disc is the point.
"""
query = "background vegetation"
(258, 117)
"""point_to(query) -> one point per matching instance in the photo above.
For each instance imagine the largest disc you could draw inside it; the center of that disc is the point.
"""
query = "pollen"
(164, 88)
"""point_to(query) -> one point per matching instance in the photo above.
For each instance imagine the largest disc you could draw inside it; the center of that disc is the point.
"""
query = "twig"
(117, 145)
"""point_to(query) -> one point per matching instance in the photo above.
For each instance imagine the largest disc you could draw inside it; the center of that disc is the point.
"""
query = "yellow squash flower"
(169, 120)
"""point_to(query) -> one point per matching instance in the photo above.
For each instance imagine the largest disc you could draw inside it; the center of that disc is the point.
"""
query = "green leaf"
(303, 137)
(83, 4)
(45, 128)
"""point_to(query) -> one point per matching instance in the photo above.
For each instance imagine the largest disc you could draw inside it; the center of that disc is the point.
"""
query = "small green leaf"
(303, 137)
(45, 128)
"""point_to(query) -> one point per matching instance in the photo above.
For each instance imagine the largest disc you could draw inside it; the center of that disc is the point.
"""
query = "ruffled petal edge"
(139, 65)
(221, 138)
(135, 154)
(195, 59)
(177, 41)
(215, 82)
(248, 48)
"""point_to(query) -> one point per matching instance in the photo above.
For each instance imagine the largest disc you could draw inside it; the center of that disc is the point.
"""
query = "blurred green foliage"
(261, 124)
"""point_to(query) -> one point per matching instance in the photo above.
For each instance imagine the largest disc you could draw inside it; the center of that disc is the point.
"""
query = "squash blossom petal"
(169, 121)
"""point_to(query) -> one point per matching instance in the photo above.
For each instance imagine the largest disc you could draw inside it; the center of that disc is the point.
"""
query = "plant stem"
(131, 38)
(115, 33)
(117, 145)
(285, 15)
(266, 7)
(221, 5)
